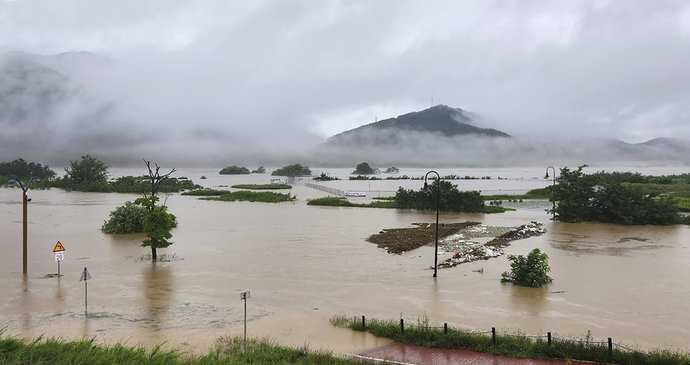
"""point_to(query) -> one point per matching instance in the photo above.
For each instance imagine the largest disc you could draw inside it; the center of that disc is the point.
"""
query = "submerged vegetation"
(623, 198)
(334, 201)
(253, 196)
(513, 345)
(228, 350)
(292, 170)
(449, 198)
(531, 271)
(235, 170)
(262, 186)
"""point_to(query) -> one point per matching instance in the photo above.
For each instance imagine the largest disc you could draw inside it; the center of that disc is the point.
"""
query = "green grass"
(513, 345)
(491, 209)
(389, 203)
(228, 350)
(542, 193)
(262, 186)
(253, 196)
(205, 192)
(332, 201)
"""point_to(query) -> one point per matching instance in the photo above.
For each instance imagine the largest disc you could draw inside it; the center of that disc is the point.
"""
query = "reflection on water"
(158, 292)
(304, 264)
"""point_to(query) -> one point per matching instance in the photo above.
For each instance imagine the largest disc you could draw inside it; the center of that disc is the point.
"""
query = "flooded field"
(304, 264)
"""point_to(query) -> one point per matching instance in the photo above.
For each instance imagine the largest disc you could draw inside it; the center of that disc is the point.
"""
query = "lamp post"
(438, 199)
(553, 199)
(25, 209)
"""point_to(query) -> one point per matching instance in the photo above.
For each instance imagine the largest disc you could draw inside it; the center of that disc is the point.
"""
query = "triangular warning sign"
(58, 247)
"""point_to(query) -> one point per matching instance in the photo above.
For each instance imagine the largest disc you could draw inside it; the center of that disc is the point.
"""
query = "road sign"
(59, 256)
(85, 275)
(244, 295)
(58, 247)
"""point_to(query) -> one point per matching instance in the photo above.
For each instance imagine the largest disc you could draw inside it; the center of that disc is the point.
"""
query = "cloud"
(231, 78)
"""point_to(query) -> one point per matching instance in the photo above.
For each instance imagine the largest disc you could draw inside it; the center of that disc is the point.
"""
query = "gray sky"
(565, 69)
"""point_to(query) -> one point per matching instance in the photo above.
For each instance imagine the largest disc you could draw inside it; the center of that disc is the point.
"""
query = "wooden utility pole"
(25, 214)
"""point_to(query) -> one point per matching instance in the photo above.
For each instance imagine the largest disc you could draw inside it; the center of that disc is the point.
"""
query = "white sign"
(59, 256)
(244, 295)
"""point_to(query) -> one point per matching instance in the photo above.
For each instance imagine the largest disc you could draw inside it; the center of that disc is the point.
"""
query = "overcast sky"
(617, 69)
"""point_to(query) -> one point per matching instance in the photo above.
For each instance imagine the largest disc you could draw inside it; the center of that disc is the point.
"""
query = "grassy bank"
(513, 345)
(226, 351)
(253, 196)
(389, 203)
(543, 193)
(332, 201)
(205, 192)
(262, 186)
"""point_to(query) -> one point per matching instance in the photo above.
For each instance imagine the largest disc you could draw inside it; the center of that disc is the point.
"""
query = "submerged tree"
(531, 271)
(158, 222)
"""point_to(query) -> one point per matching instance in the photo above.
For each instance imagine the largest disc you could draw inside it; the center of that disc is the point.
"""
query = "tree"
(531, 271)
(451, 199)
(364, 169)
(234, 170)
(127, 218)
(158, 222)
(22, 170)
(611, 198)
(292, 170)
(87, 173)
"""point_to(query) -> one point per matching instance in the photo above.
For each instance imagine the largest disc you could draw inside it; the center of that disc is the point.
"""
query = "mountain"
(439, 120)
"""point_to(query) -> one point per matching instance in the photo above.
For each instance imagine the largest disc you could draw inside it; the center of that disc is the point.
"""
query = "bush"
(364, 169)
(235, 170)
(128, 218)
(450, 200)
(292, 170)
(531, 271)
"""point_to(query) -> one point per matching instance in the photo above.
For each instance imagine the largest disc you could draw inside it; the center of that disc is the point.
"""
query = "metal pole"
(438, 208)
(245, 323)
(25, 231)
(58, 269)
(553, 188)
(438, 200)
(86, 297)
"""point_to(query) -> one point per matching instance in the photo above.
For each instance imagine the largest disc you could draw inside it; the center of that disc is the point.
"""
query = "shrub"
(531, 271)
(128, 218)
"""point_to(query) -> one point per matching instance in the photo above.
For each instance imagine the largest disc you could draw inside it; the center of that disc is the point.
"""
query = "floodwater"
(304, 264)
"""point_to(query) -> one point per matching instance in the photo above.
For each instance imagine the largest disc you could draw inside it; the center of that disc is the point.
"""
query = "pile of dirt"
(524, 231)
(399, 240)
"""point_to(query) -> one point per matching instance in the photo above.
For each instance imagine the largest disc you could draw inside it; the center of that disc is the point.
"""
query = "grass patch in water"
(513, 345)
(228, 350)
(205, 192)
(262, 186)
(333, 201)
(253, 196)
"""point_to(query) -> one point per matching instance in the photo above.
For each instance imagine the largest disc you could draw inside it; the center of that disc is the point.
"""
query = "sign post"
(244, 296)
(85, 276)
(59, 251)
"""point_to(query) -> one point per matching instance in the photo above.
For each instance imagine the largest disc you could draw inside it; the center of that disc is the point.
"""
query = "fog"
(265, 82)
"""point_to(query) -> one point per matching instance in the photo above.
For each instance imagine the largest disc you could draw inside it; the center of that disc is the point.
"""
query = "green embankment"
(262, 186)
(227, 351)
(253, 196)
(513, 345)
(332, 201)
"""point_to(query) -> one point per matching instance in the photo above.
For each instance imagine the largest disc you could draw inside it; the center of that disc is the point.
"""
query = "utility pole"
(25, 214)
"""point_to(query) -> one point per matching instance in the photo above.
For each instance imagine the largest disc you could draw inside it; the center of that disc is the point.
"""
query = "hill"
(439, 120)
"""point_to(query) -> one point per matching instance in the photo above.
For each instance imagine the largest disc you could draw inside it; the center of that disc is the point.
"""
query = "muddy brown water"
(304, 264)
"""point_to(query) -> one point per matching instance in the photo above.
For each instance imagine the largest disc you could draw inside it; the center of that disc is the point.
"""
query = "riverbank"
(228, 350)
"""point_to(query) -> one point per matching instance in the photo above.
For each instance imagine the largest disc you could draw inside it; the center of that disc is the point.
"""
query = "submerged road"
(417, 355)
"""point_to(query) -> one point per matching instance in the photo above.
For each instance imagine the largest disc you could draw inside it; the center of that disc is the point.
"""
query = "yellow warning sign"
(58, 247)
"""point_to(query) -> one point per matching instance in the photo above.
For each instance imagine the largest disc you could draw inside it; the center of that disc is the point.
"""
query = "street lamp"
(553, 188)
(25, 230)
(438, 196)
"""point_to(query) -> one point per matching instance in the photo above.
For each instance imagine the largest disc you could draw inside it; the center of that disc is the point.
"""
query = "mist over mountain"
(446, 136)
(56, 108)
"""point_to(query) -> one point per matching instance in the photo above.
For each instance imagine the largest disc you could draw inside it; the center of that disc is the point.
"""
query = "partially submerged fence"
(549, 338)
